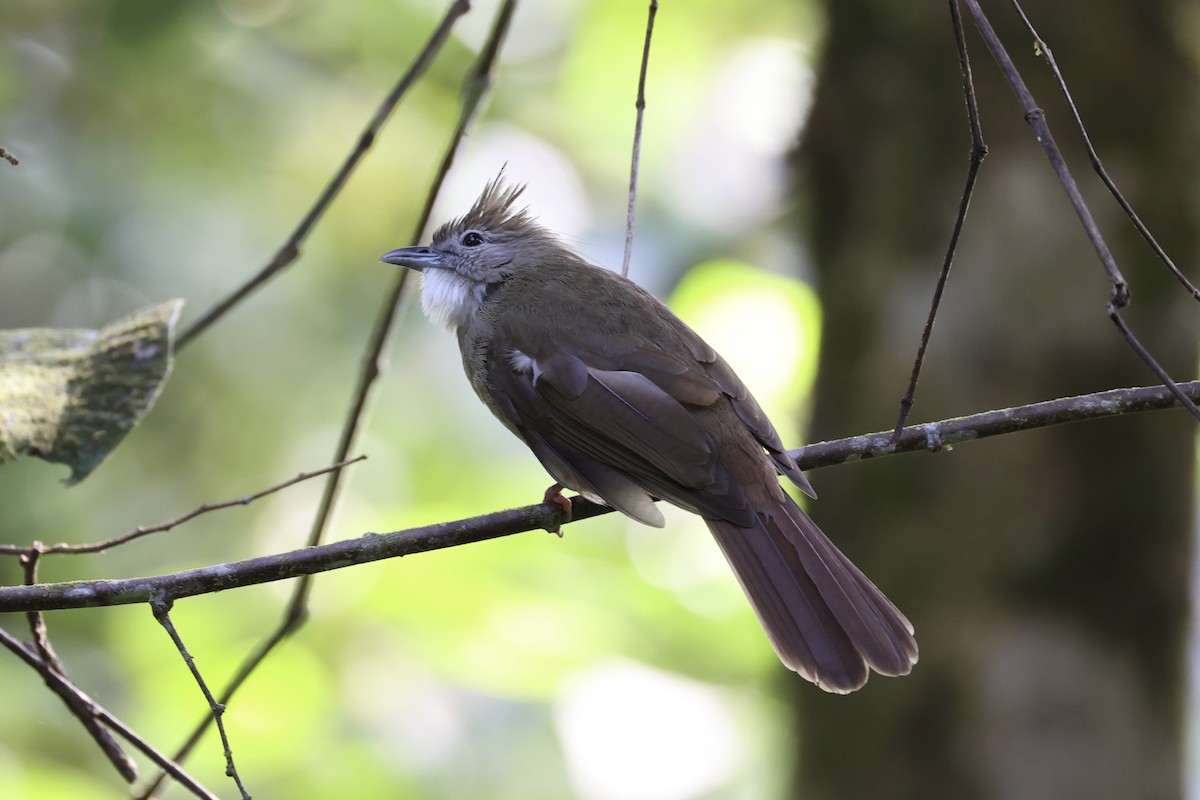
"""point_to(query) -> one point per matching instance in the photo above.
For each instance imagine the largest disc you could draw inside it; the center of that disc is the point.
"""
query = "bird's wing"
(747, 408)
(621, 425)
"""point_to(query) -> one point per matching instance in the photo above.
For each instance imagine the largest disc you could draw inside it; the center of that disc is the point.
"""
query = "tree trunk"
(1046, 572)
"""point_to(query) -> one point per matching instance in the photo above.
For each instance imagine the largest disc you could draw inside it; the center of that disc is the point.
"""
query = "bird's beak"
(418, 258)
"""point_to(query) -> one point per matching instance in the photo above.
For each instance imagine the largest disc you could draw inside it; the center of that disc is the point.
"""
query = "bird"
(624, 404)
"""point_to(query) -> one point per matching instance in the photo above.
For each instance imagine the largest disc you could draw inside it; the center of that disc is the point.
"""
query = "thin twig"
(1094, 157)
(9, 157)
(63, 686)
(125, 766)
(140, 531)
(475, 86)
(635, 159)
(929, 437)
(979, 151)
(160, 604)
(37, 621)
(291, 248)
(1119, 296)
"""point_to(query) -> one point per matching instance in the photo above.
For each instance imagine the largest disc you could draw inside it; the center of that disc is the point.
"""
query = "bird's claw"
(554, 495)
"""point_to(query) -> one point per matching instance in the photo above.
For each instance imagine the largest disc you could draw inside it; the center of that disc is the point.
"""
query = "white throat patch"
(448, 298)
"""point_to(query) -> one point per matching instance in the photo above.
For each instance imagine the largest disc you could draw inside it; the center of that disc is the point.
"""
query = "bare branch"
(9, 157)
(931, 437)
(297, 563)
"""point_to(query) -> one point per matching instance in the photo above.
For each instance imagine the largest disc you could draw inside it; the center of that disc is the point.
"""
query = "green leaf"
(70, 396)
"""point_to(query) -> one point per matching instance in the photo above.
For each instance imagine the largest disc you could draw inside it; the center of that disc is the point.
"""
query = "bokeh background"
(793, 150)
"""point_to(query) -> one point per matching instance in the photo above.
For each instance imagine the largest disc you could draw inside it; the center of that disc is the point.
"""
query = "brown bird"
(622, 402)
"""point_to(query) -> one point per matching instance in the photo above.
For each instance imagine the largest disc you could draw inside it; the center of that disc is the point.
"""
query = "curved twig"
(636, 158)
(291, 248)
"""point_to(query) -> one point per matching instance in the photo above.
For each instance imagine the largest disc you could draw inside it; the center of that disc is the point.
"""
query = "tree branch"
(931, 436)
(1036, 118)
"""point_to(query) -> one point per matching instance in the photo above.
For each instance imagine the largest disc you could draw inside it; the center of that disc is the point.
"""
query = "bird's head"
(476, 253)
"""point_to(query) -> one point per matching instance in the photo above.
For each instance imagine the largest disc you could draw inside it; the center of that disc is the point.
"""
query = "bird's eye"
(472, 239)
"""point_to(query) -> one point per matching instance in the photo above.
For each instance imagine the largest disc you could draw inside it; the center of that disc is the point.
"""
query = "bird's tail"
(826, 620)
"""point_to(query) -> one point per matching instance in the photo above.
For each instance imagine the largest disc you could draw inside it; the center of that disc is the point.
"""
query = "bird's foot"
(554, 495)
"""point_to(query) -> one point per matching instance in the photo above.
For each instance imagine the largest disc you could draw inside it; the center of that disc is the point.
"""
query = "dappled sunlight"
(634, 733)
(731, 171)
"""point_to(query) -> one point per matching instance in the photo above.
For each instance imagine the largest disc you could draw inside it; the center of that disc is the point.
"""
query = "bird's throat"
(448, 298)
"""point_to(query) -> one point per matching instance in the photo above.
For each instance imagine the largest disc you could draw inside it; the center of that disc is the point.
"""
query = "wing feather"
(585, 422)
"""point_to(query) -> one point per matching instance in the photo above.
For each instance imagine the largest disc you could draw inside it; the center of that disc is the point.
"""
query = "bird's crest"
(494, 211)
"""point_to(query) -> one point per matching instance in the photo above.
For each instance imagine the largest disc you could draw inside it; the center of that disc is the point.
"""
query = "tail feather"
(826, 620)
(880, 632)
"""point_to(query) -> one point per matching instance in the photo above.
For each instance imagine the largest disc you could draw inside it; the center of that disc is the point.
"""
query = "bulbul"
(622, 402)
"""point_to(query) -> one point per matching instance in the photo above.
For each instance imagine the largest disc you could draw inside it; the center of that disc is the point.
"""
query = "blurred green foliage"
(167, 150)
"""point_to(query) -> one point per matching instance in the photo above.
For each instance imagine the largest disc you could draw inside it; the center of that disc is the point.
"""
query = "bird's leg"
(554, 495)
